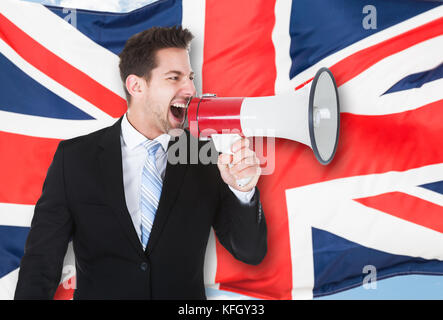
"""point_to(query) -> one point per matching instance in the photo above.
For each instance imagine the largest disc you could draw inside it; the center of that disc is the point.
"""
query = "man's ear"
(134, 85)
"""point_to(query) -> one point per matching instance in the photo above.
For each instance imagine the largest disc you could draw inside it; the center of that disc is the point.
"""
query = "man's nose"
(189, 88)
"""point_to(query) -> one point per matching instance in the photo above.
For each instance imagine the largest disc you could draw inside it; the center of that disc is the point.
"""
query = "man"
(139, 223)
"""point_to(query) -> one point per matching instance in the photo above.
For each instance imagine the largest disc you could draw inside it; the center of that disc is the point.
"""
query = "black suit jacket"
(83, 200)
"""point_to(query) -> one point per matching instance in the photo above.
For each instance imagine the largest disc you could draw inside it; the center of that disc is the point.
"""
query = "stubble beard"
(166, 127)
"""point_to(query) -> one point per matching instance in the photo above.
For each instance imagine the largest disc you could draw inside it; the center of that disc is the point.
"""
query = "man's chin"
(175, 126)
(176, 129)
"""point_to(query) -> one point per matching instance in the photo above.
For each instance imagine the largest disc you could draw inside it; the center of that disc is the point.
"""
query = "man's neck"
(142, 124)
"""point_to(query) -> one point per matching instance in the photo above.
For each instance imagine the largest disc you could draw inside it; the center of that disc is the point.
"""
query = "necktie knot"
(152, 146)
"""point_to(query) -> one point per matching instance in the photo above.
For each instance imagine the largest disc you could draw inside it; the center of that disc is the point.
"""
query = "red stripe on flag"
(239, 60)
(407, 207)
(358, 62)
(303, 84)
(24, 163)
(65, 290)
(61, 71)
(239, 56)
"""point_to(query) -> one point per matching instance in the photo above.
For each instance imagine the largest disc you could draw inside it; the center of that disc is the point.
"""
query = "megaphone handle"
(223, 143)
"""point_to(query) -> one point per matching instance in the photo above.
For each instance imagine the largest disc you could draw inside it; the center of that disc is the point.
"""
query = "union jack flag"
(379, 203)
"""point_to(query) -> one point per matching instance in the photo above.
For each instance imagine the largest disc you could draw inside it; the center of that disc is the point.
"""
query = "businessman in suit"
(140, 222)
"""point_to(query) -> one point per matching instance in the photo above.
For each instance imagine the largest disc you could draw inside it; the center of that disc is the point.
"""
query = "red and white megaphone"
(309, 115)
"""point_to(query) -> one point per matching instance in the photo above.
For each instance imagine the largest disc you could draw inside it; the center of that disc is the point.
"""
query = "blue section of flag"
(22, 94)
(12, 240)
(339, 263)
(111, 30)
(336, 24)
(417, 80)
(434, 186)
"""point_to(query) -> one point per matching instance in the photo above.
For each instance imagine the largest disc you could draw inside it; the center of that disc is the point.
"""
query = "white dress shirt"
(134, 155)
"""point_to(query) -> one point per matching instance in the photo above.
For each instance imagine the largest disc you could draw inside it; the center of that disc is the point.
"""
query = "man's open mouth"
(178, 110)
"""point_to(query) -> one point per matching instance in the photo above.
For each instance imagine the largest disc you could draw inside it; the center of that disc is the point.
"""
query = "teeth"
(179, 105)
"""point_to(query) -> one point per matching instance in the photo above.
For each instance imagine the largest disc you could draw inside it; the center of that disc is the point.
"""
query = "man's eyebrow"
(178, 72)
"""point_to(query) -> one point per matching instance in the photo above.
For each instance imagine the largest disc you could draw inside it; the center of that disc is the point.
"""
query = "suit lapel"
(111, 168)
(110, 160)
(172, 183)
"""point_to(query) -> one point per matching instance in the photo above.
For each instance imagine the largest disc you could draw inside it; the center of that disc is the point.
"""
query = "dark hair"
(138, 55)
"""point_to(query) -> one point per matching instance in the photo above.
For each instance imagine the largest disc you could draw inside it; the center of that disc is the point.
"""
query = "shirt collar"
(133, 138)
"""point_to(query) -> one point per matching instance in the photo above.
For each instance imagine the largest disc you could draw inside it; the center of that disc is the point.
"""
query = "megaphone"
(309, 115)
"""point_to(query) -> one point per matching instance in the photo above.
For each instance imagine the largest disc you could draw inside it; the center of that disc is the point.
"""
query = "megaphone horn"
(309, 115)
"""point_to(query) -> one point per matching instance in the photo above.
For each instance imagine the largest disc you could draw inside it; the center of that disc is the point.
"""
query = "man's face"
(169, 90)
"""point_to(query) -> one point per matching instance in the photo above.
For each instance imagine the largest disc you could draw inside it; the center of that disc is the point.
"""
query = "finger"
(242, 155)
(224, 159)
(245, 172)
(248, 172)
(222, 164)
(251, 159)
(239, 167)
(240, 144)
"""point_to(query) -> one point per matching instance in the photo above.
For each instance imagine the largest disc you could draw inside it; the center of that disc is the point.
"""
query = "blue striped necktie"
(151, 188)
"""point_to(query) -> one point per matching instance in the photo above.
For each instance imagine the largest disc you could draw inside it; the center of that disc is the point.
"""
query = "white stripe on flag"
(194, 19)
(68, 271)
(8, 283)
(282, 42)
(18, 215)
(363, 94)
(210, 266)
(64, 40)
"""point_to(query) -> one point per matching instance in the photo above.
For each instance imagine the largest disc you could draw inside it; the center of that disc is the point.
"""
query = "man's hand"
(244, 163)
